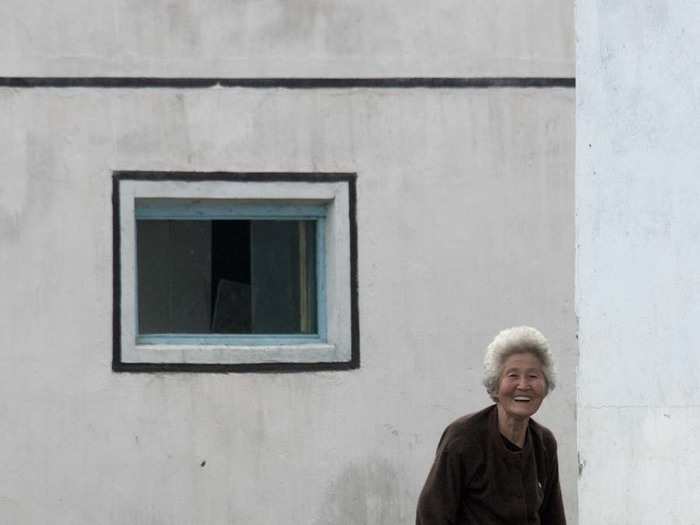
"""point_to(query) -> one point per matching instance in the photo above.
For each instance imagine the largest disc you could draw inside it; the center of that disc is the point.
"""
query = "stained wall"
(465, 226)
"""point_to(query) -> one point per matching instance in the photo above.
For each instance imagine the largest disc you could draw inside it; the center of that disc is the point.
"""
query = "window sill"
(233, 355)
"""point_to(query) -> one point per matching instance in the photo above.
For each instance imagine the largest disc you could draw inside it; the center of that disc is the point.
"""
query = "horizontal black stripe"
(227, 369)
(288, 83)
(241, 176)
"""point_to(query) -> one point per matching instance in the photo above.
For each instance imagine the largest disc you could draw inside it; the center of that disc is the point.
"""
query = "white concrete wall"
(638, 291)
(465, 217)
(287, 38)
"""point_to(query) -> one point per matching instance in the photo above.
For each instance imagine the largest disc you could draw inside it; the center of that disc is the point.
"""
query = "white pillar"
(638, 261)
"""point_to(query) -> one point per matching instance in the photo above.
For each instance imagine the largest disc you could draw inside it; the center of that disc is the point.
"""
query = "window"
(234, 272)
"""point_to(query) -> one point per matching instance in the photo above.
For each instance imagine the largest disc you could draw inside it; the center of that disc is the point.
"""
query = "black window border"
(269, 177)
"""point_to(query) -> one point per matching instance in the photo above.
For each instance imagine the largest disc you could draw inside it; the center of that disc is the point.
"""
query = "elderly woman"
(498, 466)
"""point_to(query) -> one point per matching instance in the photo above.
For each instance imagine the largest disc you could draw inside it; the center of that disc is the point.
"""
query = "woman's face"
(522, 387)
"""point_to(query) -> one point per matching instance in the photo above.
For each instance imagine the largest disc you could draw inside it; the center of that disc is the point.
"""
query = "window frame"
(227, 209)
(335, 346)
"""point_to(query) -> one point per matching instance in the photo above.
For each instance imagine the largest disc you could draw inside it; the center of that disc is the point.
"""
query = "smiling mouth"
(521, 398)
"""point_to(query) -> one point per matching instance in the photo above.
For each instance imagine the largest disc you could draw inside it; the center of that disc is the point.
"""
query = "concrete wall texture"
(638, 293)
(287, 38)
(465, 226)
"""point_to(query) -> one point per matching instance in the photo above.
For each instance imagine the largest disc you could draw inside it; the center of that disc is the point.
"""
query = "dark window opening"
(226, 276)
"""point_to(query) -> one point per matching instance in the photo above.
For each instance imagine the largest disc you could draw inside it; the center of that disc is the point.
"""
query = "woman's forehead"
(522, 360)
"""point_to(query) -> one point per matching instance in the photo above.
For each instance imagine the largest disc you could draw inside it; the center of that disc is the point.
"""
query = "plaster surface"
(638, 291)
(465, 206)
(286, 38)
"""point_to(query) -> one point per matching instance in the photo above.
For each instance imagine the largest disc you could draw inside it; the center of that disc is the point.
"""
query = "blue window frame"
(185, 223)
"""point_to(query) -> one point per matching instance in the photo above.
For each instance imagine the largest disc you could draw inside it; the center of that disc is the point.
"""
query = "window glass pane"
(174, 276)
(226, 276)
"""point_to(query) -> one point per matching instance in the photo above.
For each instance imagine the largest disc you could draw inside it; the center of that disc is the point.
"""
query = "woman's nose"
(523, 383)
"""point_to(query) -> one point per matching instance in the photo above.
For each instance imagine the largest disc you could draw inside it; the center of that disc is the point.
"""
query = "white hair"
(516, 340)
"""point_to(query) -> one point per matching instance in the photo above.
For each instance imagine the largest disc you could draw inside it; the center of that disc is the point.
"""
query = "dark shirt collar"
(500, 447)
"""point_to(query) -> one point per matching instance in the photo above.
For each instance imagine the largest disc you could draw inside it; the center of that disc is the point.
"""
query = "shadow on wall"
(363, 494)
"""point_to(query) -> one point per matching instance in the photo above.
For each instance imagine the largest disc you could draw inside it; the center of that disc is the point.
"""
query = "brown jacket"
(477, 480)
